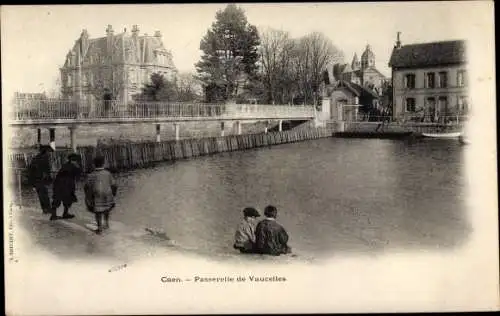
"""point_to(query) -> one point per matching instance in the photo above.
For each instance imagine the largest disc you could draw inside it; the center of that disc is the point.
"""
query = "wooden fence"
(139, 155)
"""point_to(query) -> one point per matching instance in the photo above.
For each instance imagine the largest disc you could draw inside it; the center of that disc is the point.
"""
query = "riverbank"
(128, 156)
(379, 135)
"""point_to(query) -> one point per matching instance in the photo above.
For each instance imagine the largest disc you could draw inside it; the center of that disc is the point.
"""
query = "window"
(443, 105)
(443, 79)
(429, 80)
(410, 104)
(409, 81)
(461, 78)
(431, 102)
(69, 80)
(462, 106)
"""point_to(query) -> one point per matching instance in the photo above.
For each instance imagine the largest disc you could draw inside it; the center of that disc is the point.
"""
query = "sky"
(36, 39)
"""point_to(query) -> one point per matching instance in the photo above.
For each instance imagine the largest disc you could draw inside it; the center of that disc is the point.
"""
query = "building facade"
(346, 100)
(115, 67)
(429, 80)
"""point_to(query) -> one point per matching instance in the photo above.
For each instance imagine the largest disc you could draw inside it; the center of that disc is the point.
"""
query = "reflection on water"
(333, 196)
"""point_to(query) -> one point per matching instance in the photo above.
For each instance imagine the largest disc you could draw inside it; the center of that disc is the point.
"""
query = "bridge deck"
(38, 113)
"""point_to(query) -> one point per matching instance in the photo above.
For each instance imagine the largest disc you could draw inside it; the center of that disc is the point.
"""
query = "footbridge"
(56, 113)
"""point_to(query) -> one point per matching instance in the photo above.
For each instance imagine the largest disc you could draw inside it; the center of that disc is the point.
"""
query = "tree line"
(241, 63)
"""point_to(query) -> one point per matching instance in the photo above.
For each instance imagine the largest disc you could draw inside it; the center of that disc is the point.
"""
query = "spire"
(398, 41)
(355, 65)
(367, 58)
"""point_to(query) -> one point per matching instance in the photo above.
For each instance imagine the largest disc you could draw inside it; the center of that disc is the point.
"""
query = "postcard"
(249, 158)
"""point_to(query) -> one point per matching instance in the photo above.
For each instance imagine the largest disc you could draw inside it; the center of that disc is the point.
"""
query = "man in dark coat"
(39, 176)
(271, 237)
(65, 186)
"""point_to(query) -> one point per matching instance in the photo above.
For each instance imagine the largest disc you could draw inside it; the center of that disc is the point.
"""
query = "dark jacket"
(271, 238)
(64, 183)
(39, 171)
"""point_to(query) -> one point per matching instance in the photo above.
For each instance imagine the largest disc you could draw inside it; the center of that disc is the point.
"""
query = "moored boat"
(443, 135)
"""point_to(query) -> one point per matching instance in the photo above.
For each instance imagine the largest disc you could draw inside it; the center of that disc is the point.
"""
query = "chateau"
(115, 66)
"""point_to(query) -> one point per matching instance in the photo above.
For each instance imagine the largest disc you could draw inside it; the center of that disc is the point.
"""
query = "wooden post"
(72, 131)
(39, 137)
(222, 129)
(52, 138)
(19, 187)
(280, 125)
(158, 133)
(176, 127)
(238, 127)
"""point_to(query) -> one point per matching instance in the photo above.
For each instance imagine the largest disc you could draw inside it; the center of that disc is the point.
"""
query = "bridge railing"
(67, 109)
(408, 119)
(268, 110)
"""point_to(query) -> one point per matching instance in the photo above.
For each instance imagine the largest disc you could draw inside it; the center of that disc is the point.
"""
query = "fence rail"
(32, 110)
(138, 155)
(408, 119)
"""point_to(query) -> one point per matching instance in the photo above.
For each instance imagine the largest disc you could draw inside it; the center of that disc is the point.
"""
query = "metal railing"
(33, 110)
(427, 119)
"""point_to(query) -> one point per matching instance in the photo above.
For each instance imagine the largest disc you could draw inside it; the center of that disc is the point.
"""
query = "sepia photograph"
(249, 158)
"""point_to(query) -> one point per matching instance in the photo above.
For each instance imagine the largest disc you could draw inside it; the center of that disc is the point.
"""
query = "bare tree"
(275, 52)
(313, 53)
(188, 87)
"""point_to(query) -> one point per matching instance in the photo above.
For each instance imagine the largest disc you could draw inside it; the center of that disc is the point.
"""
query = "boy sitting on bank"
(245, 233)
(271, 237)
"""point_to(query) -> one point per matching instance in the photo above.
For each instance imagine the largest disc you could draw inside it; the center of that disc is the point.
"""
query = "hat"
(250, 212)
(45, 149)
(73, 157)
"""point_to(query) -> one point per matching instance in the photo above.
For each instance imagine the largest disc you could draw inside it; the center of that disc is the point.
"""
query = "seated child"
(245, 233)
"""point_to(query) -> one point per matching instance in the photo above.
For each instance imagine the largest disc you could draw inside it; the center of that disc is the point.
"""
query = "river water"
(333, 196)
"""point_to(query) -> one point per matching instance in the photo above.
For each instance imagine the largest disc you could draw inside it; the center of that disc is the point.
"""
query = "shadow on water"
(334, 196)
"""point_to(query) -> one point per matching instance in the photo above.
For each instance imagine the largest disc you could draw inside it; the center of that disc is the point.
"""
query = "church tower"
(355, 65)
(368, 58)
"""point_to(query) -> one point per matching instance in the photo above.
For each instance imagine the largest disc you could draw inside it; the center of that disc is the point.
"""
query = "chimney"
(398, 41)
(135, 30)
(109, 30)
(109, 33)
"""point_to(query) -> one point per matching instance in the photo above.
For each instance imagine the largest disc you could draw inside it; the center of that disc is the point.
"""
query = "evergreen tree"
(159, 89)
(229, 54)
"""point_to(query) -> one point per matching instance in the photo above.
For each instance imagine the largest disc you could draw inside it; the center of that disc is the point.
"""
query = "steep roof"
(374, 69)
(429, 54)
(347, 69)
(367, 53)
(356, 89)
(140, 50)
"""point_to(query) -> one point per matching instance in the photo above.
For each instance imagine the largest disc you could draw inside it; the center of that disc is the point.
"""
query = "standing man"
(271, 237)
(39, 176)
(65, 187)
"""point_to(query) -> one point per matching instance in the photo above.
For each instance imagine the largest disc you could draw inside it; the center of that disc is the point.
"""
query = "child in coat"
(100, 190)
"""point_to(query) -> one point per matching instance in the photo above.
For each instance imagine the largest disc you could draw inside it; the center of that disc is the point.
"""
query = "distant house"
(429, 80)
(115, 66)
(347, 99)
